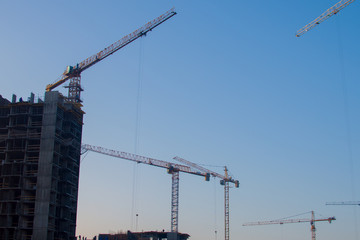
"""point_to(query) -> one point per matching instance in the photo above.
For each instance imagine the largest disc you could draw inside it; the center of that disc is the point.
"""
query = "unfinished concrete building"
(40, 144)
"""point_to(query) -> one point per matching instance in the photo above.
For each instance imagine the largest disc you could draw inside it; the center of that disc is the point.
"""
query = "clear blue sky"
(223, 83)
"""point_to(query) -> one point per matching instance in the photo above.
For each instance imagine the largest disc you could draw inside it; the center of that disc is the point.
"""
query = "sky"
(222, 83)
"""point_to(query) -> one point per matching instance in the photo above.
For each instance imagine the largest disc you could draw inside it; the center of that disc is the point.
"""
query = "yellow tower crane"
(328, 13)
(73, 73)
(282, 221)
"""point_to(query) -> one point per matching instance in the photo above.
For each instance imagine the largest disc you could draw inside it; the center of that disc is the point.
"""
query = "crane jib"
(90, 61)
(125, 41)
(328, 13)
(143, 159)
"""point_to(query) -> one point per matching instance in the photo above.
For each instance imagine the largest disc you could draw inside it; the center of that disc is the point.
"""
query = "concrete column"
(43, 186)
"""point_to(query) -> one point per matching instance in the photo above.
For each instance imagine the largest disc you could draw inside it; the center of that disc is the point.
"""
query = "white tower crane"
(328, 13)
(282, 221)
(172, 169)
(225, 180)
(73, 73)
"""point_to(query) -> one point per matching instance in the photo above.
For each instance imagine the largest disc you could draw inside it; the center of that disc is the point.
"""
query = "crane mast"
(224, 180)
(73, 73)
(283, 221)
(172, 169)
(328, 13)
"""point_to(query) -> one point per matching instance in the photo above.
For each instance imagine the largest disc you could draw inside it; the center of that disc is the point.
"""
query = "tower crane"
(282, 221)
(172, 168)
(224, 180)
(328, 13)
(344, 203)
(73, 73)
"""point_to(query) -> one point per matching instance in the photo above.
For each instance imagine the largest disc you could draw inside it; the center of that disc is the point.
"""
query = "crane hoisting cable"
(73, 73)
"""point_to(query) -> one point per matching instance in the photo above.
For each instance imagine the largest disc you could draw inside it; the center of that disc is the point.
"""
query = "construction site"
(42, 149)
(40, 153)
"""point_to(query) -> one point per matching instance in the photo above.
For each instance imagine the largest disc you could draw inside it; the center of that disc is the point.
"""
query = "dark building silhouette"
(150, 235)
(40, 145)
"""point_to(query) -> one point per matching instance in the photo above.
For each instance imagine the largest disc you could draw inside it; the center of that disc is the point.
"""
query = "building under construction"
(40, 143)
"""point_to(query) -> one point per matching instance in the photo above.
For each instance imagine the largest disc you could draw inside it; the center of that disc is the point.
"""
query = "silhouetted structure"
(40, 146)
(145, 236)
